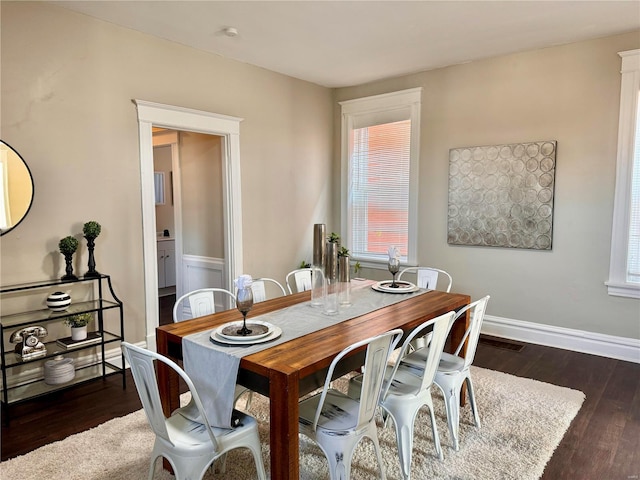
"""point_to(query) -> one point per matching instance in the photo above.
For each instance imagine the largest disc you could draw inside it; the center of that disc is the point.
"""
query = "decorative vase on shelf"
(78, 333)
(58, 301)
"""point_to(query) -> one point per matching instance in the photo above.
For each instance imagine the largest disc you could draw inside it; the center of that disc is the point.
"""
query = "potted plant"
(68, 246)
(91, 230)
(356, 268)
(78, 323)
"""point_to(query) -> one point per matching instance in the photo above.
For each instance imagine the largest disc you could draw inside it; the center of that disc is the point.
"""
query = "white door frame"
(178, 118)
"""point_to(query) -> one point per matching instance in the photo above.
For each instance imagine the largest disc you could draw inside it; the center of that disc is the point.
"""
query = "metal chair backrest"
(427, 277)
(260, 289)
(379, 348)
(476, 310)
(199, 303)
(439, 328)
(144, 376)
(302, 277)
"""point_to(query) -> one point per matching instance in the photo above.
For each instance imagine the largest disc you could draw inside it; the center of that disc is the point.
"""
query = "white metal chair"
(190, 447)
(427, 277)
(407, 389)
(338, 422)
(259, 288)
(302, 277)
(199, 303)
(454, 370)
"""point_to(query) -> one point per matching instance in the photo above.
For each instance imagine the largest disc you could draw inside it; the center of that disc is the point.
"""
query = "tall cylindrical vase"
(92, 262)
(330, 280)
(319, 244)
(331, 264)
(317, 286)
(344, 281)
(318, 265)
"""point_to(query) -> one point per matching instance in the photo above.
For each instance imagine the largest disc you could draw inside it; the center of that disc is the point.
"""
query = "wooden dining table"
(287, 371)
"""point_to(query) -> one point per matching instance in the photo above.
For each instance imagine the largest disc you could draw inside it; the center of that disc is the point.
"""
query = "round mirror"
(16, 188)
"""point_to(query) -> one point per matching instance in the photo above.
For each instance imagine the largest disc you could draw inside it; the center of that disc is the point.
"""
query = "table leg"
(283, 434)
(168, 386)
(168, 380)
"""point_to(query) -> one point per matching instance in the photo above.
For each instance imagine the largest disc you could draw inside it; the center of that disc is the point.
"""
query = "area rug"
(523, 421)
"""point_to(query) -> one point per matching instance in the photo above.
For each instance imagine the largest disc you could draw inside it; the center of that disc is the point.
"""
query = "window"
(624, 269)
(380, 146)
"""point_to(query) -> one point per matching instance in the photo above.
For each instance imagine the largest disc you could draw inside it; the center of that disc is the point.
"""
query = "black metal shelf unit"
(18, 388)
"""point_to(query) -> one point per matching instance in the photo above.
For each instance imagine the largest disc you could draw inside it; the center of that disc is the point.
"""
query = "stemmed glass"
(394, 267)
(244, 302)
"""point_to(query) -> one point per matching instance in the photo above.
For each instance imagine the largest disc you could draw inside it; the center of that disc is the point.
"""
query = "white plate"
(232, 327)
(404, 287)
(273, 334)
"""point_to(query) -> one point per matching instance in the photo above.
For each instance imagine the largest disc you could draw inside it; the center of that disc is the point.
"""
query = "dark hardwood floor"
(603, 442)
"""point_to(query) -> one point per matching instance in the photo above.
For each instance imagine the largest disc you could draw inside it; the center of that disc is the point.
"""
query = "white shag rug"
(522, 422)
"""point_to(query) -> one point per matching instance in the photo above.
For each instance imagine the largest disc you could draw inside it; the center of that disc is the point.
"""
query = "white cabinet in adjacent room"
(166, 263)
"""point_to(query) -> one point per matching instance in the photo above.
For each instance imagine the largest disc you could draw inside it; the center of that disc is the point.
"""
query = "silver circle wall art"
(502, 195)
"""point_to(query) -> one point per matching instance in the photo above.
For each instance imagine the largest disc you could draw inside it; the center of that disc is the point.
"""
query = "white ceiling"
(343, 43)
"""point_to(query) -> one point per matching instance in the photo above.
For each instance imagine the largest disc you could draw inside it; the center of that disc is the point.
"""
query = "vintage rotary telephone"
(28, 342)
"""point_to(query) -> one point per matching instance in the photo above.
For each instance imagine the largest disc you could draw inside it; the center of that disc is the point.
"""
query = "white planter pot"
(78, 333)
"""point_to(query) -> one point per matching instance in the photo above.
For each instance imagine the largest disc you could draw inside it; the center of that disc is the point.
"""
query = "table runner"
(214, 368)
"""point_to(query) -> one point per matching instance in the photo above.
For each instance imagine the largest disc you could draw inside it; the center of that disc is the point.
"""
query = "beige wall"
(67, 84)
(569, 94)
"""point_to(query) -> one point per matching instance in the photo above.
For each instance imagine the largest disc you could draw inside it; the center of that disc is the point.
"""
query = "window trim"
(351, 109)
(630, 87)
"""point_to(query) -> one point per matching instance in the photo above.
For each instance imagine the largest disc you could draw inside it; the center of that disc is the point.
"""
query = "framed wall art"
(502, 195)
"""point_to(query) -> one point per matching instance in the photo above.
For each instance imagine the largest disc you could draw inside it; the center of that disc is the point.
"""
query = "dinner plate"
(274, 333)
(403, 287)
(258, 329)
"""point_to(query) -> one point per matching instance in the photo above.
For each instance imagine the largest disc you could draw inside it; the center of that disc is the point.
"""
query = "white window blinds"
(379, 188)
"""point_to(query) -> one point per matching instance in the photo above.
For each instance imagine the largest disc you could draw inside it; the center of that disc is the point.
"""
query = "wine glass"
(244, 302)
(394, 267)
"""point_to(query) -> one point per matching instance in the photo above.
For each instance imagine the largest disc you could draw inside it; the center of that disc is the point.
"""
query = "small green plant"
(343, 252)
(304, 264)
(333, 238)
(68, 245)
(91, 229)
(78, 320)
(356, 267)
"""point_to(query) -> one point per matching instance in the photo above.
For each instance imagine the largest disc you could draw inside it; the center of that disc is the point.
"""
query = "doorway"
(178, 118)
(189, 209)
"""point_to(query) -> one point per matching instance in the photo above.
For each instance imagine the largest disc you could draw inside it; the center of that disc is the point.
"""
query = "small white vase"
(78, 333)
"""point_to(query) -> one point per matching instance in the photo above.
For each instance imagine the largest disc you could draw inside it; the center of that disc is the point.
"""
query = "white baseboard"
(620, 348)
